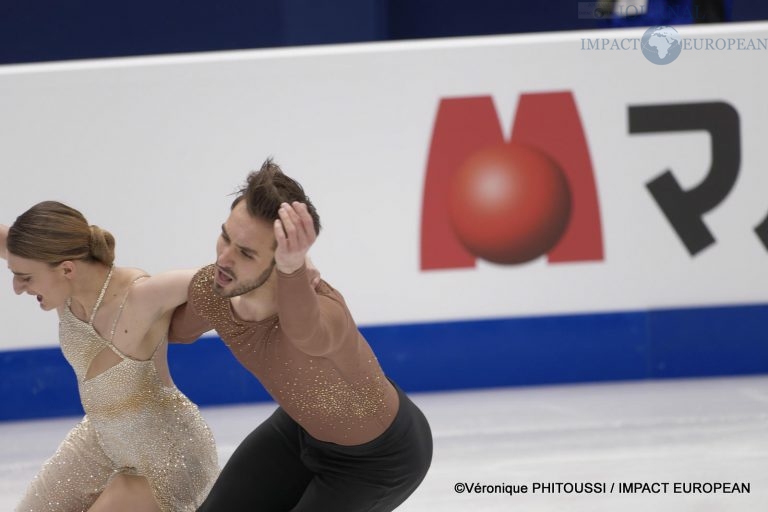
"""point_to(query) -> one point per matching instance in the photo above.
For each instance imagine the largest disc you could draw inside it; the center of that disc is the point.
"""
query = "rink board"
(151, 149)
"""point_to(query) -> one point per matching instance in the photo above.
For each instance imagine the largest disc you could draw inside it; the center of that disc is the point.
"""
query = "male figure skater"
(344, 437)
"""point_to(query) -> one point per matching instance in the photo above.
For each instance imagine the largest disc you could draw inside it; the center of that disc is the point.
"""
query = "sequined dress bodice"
(126, 401)
(135, 423)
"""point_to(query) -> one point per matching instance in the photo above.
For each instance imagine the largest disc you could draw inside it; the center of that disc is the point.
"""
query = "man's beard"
(244, 288)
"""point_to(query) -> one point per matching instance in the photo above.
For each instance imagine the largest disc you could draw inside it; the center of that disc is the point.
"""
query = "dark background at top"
(49, 30)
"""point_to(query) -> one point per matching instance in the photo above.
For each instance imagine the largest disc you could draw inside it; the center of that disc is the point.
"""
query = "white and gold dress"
(134, 423)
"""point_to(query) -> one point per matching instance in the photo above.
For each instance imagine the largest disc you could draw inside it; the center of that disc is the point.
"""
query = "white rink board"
(151, 148)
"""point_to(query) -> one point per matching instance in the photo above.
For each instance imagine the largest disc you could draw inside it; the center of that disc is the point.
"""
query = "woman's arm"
(163, 292)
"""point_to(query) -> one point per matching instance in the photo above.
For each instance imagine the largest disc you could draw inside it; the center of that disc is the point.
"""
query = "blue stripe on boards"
(656, 344)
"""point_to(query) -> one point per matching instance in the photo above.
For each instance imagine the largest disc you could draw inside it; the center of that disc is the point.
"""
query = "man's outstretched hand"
(295, 234)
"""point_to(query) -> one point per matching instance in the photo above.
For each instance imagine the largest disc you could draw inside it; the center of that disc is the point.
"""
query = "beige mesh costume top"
(134, 423)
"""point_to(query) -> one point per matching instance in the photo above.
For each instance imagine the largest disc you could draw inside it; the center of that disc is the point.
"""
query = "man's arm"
(314, 324)
(186, 325)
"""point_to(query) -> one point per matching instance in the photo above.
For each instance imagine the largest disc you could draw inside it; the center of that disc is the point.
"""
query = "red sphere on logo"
(509, 203)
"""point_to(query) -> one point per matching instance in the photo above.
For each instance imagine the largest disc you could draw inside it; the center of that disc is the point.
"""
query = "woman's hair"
(53, 232)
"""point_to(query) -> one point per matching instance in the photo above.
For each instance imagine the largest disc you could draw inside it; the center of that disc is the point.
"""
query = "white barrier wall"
(150, 148)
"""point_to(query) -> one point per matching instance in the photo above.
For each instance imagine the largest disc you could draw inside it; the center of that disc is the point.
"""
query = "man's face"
(245, 253)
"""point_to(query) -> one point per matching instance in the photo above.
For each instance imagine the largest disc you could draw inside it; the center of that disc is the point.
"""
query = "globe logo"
(661, 45)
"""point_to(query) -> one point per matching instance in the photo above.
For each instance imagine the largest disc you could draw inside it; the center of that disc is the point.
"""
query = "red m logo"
(509, 202)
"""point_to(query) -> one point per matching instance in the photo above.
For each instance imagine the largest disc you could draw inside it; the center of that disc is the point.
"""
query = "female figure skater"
(142, 445)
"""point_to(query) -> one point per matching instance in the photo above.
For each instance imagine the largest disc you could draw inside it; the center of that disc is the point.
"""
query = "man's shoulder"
(204, 274)
(201, 294)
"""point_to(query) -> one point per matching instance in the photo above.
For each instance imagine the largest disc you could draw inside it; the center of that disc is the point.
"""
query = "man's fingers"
(289, 219)
(280, 233)
(298, 224)
(307, 224)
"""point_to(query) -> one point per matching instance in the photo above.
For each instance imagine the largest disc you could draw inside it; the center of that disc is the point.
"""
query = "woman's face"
(42, 280)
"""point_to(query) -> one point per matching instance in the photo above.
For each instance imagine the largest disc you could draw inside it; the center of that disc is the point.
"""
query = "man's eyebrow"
(241, 247)
(20, 274)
